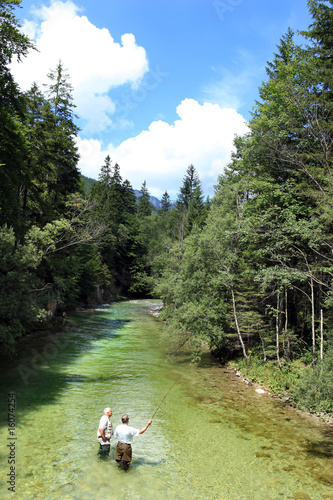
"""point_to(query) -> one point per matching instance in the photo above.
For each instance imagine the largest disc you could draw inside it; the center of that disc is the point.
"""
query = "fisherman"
(105, 431)
(124, 433)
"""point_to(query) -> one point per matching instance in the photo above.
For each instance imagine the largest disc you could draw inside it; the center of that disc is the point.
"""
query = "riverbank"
(290, 384)
(113, 355)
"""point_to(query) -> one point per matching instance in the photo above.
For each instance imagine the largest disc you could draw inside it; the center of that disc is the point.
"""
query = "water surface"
(213, 437)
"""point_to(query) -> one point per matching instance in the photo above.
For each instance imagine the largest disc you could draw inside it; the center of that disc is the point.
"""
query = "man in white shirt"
(124, 433)
(105, 431)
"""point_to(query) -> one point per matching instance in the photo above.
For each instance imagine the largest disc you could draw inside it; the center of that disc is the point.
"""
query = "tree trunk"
(236, 322)
(285, 331)
(278, 329)
(313, 323)
(263, 349)
(321, 339)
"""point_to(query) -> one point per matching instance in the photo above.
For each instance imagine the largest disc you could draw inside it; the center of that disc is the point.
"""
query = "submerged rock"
(208, 401)
(260, 454)
(288, 468)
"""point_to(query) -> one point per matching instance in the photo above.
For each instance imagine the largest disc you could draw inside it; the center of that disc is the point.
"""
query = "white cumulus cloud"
(94, 61)
(203, 136)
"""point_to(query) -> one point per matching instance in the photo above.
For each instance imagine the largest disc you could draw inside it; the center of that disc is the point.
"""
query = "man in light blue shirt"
(125, 433)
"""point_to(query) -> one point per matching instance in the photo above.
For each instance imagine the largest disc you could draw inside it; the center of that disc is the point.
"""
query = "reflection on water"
(212, 437)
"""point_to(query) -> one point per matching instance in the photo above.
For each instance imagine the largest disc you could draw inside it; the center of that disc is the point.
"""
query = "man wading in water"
(105, 431)
(124, 433)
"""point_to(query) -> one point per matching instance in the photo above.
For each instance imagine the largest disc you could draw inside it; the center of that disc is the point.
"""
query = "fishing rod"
(171, 387)
(165, 395)
(175, 382)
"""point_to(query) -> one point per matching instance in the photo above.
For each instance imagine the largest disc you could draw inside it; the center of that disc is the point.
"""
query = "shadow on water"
(144, 461)
(322, 449)
(109, 461)
(35, 373)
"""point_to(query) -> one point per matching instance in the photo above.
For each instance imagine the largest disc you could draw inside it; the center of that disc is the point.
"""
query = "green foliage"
(253, 275)
(280, 381)
(248, 273)
(88, 183)
(315, 388)
(58, 249)
(124, 245)
(13, 44)
(190, 207)
(298, 381)
(165, 204)
(144, 206)
(18, 308)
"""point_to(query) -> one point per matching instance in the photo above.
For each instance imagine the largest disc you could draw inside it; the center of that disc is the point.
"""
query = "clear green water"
(212, 438)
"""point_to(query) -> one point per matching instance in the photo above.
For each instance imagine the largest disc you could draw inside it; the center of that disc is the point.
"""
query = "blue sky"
(158, 84)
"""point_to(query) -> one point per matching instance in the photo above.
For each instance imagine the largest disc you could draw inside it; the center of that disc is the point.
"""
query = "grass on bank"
(307, 386)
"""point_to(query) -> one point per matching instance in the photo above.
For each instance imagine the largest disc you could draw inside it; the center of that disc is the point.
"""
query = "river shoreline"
(286, 399)
(118, 355)
(59, 323)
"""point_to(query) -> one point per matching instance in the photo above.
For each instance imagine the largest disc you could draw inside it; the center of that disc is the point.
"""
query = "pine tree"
(105, 172)
(165, 204)
(285, 54)
(13, 44)
(319, 78)
(144, 206)
(63, 175)
(190, 207)
(13, 167)
(129, 199)
(36, 203)
(190, 183)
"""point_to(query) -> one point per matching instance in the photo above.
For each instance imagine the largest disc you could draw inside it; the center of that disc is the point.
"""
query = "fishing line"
(176, 381)
(165, 395)
(171, 387)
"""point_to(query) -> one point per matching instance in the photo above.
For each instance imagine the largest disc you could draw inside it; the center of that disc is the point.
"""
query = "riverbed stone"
(288, 468)
(260, 391)
(208, 401)
(326, 479)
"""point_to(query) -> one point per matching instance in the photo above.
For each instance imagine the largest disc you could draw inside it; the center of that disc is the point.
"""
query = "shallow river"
(213, 437)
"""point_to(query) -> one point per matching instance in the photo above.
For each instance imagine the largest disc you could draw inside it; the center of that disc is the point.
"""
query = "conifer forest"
(246, 274)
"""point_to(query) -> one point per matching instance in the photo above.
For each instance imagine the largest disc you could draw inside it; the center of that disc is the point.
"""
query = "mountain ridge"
(89, 182)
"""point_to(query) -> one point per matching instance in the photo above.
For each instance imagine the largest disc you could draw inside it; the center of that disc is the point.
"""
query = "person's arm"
(102, 427)
(101, 431)
(145, 427)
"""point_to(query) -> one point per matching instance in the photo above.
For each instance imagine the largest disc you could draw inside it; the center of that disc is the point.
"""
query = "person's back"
(125, 433)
